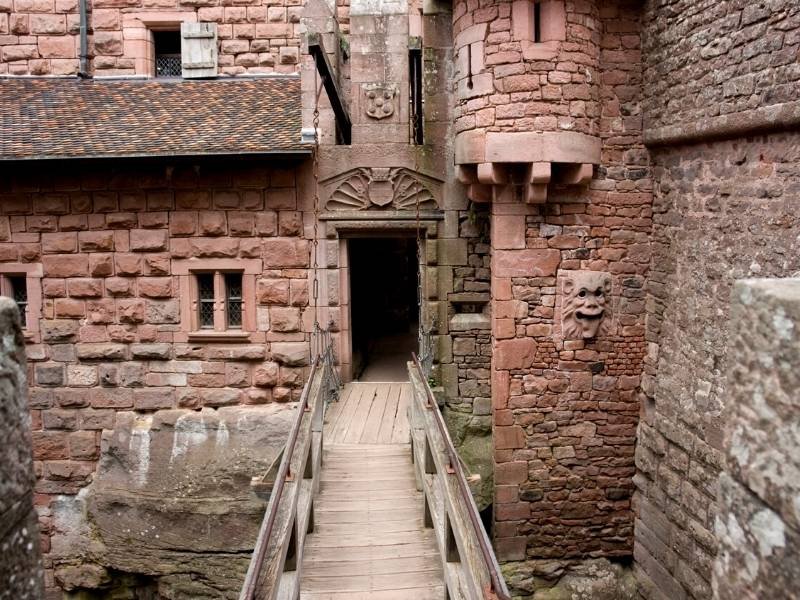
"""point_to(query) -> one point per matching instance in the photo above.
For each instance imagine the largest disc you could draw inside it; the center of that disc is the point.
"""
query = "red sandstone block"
(66, 265)
(213, 223)
(101, 265)
(56, 243)
(154, 398)
(155, 287)
(510, 437)
(57, 418)
(237, 375)
(286, 252)
(273, 291)
(69, 309)
(515, 511)
(147, 240)
(213, 247)
(97, 419)
(84, 288)
(83, 445)
(266, 223)
(111, 398)
(266, 375)
(511, 473)
(183, 223)
(518, 353)
(241, 223)
(50, 445)
(118, 286)
(96, 241)
(511, 548)
(128, 264)
(62, 470)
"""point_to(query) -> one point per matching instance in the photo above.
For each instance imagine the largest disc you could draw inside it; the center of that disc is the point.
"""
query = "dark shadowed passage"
(383, 288)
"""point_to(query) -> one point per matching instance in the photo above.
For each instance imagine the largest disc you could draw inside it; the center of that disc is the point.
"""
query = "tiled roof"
(73, 118)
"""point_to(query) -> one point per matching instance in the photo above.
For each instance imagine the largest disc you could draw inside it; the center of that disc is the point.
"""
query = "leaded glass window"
(19, 292)
(233, 299)
(205, 300)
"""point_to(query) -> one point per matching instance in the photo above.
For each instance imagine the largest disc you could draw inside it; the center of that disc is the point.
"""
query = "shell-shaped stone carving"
(408, 191)
(352, 193)
(381, 188)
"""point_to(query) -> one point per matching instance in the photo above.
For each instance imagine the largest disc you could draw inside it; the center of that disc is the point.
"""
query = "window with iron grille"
(167, 46)
(16, 288)
(219, 301)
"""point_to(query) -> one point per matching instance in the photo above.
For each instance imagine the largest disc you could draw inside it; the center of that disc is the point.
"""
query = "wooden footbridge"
(380, 510)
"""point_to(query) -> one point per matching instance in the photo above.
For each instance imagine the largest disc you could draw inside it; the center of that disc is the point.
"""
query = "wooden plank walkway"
(369, 540)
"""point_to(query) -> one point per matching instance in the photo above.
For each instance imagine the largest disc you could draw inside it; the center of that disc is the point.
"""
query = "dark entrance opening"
(383, 306)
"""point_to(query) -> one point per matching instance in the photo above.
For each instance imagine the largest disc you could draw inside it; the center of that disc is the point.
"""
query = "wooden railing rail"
(471, 570)
(274, 570)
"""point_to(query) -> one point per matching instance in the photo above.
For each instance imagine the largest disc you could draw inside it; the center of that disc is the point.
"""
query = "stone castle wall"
(21, 575)
(724, 208)
(505, 82)
(565, 410)
(112, 337)
(757, 525)
(41, 37)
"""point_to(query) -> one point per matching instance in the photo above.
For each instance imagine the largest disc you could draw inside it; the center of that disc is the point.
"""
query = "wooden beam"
(343, 123)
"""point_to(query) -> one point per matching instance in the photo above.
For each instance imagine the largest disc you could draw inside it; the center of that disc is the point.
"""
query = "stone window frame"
(138, 30)
(552, 25)
(187, 269)
(33, 274)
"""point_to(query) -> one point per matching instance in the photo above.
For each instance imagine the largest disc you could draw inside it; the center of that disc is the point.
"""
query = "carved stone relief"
(395, 188)
(585, 304)
(379, 100)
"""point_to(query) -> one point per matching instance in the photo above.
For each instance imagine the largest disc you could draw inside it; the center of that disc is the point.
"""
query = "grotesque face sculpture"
(585, 306)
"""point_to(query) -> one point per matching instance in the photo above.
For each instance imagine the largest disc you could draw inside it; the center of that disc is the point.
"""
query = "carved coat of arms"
(379, 100)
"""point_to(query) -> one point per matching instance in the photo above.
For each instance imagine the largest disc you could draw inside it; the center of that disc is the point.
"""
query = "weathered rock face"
(758, 523)
(20, 558)
(597, 579)
(172, 501)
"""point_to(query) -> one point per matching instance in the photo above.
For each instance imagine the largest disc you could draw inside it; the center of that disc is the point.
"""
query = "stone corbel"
(485, 161)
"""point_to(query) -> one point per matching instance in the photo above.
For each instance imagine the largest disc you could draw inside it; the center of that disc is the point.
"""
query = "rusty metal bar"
(498, 584)
(249, 587)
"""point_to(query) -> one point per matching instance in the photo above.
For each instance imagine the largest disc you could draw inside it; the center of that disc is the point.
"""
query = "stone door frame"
(338, 232)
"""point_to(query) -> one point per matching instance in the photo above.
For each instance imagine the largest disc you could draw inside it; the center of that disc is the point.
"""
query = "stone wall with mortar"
(708, 61)
(758, 521)
(41, 37)
(723, 209)
(111, 336)
(507, 83)
(21, 574)
(565, 410)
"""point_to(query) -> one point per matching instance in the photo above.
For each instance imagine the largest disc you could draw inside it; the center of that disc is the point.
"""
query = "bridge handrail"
(498, 588)
(277, 556)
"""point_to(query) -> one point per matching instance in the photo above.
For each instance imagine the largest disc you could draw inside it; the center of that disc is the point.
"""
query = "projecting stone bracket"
(486, 162)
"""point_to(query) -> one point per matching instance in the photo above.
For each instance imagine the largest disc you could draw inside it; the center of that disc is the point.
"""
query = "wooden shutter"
(199, 50)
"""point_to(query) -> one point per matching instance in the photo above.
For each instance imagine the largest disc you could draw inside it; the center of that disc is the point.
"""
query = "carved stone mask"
(585, 307)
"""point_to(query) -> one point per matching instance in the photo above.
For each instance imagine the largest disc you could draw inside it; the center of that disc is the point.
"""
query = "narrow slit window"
(537, 22)
(233, 300)
(19, 292)
(205, 300)
(415, 83)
